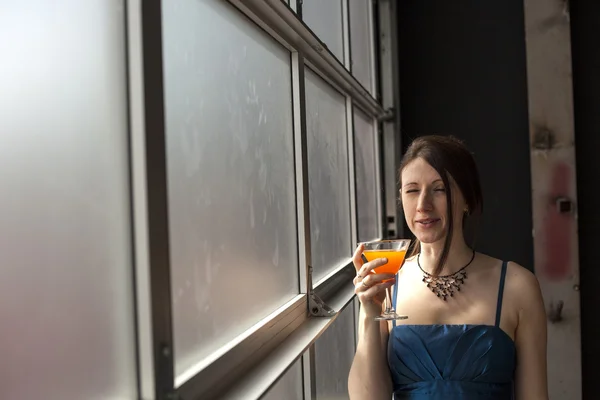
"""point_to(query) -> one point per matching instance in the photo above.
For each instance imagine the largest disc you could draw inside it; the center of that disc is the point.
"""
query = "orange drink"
(395, 260)
(395, 251)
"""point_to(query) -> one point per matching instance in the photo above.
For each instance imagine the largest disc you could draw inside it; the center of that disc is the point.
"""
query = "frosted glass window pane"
(66, 292)
(327, 175)
(366, 176)
(361, 41)
(231, 175)
(289, 386)
(324, 18)
(334, 352)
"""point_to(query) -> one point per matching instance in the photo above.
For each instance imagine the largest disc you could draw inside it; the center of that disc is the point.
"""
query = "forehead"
(419, 171)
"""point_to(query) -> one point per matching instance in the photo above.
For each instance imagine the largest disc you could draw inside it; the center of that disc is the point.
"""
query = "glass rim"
(385, 241)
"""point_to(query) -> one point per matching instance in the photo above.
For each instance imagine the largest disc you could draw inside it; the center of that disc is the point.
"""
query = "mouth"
(427, 222)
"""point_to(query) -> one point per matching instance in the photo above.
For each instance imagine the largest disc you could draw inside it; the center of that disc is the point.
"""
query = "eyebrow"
(415, 183)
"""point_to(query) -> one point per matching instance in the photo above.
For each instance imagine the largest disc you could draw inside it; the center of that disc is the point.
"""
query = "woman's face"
(424, 202)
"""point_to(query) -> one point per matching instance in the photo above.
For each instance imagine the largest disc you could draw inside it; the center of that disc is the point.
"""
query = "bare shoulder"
(521, 282)
(523, 288)
(518, 278)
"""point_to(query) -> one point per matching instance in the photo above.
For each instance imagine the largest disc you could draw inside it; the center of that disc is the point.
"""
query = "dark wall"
(463, 72)
(585, 31)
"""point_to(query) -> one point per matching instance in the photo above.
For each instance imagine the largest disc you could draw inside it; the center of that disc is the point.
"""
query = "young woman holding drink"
(474, 326)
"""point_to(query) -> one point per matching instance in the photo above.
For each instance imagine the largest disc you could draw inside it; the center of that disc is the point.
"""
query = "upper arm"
(530, 337)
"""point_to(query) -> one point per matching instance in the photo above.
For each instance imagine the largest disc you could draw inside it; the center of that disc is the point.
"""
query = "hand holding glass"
(395, 252)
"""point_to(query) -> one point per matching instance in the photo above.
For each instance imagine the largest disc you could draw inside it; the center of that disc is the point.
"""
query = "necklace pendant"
(444, 286)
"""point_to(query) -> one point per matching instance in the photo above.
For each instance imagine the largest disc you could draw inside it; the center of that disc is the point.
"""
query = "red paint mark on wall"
(557, 227)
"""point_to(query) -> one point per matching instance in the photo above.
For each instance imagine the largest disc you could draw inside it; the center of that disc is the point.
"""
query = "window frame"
(268, 348)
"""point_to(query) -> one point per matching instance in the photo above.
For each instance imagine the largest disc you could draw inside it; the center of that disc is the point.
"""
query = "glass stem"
(388, 301)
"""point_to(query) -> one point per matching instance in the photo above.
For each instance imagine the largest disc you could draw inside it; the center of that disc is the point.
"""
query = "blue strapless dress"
(453, 362)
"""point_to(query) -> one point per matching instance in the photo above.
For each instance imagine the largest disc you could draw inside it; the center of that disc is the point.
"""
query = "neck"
(458, 256)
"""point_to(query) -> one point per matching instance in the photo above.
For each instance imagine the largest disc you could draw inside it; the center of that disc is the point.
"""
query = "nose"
(424, 203)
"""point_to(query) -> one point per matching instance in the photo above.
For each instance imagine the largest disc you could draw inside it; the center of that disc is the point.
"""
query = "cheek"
(441, 205)
(407, 206)
(406, 202)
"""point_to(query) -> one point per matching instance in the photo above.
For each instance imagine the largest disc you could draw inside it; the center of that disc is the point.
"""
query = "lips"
(427, 221)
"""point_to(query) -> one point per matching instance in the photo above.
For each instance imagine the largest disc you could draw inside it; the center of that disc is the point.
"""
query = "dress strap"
(394, 298)
(501, 293)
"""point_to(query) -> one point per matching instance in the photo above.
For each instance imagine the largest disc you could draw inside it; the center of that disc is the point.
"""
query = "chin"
(429, 237)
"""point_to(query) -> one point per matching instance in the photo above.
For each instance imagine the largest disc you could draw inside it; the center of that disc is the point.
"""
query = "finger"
(364, 285)
(357, 257)
(368, 267)
(375, 279)
(366, 294)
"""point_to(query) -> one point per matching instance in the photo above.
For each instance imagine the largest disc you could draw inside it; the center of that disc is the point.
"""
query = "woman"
(476, 326)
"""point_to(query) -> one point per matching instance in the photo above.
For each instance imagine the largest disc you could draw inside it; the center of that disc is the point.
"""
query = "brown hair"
(449, 157)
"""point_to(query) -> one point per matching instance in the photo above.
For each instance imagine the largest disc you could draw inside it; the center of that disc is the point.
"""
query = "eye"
(412, 191)
(440, 189)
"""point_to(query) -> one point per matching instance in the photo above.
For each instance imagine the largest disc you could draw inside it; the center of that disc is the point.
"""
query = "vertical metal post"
(392, 149)
(302, 189)
(310, 368)
(351, 172)
(373, 12)
(350, 127)
(347, 61)
(373, 53)
(379, 176)
(157, 195)
(301, 159)
(145, 358)
(308, 382)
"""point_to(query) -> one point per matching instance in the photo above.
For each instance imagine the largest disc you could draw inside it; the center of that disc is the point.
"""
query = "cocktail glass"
(395, 252)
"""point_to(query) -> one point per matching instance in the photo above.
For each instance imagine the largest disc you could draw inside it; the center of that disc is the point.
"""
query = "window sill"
(257, 381)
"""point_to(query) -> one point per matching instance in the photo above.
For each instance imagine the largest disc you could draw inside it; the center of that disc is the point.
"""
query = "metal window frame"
(285, 335)
(373, 24)
(371, 5)
(301, 161)
(151, 224)
(282, 20)
(317, 306)
(379, 189)
(376, 124)
(391, 139)
(346, 42)
(219, 373)
(144, 332)
(350, 130)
